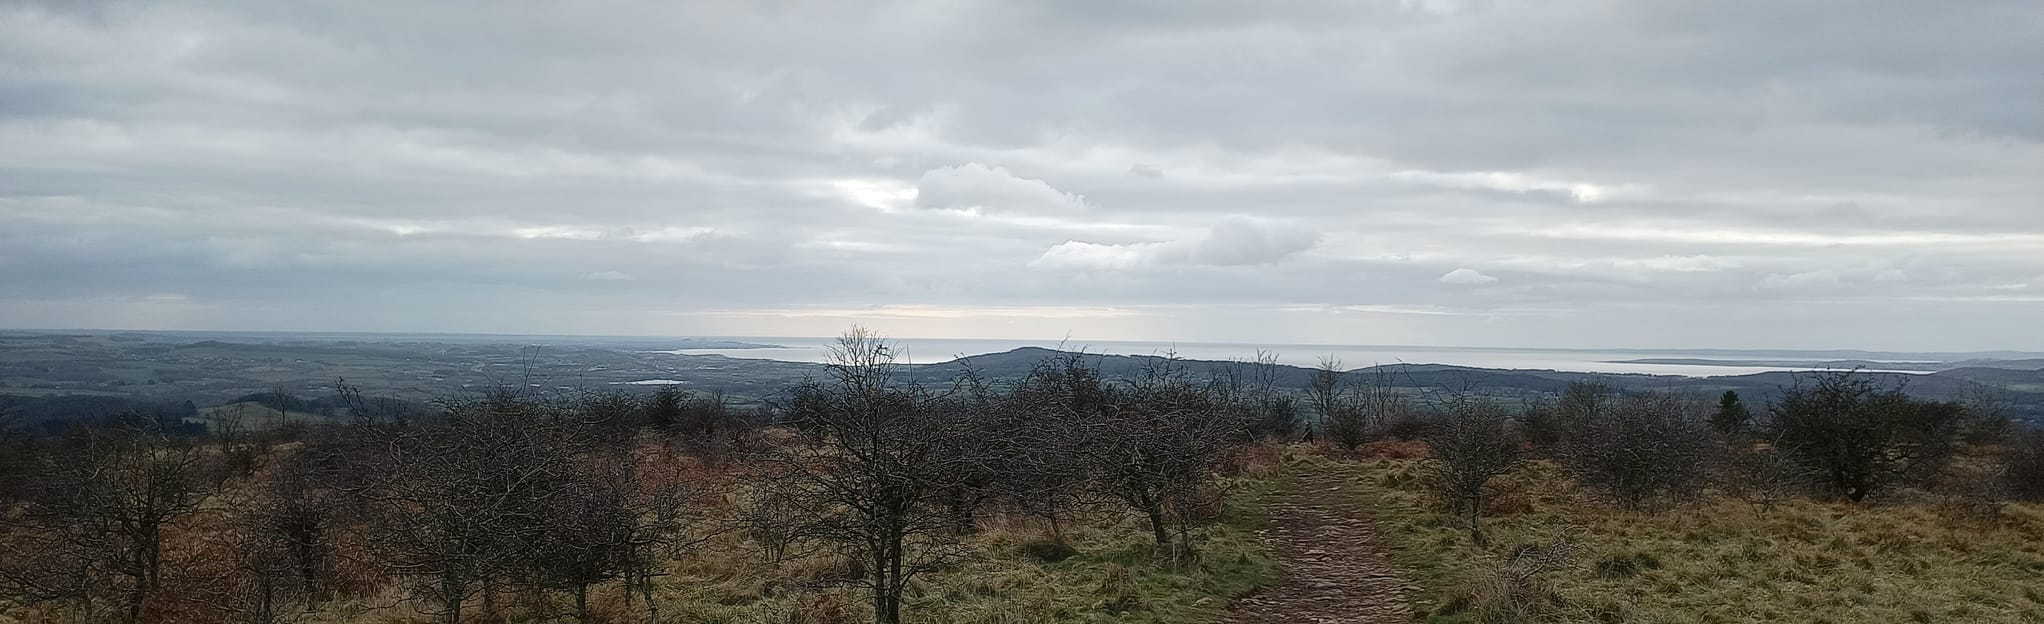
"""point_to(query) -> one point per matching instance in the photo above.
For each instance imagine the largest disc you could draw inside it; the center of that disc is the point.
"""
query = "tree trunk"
(308, 572)
(451, 590)
(898, 584)
(264, 612)
(582, 602)
(135, 598)
(882, 586)
(652, 608)
(152, 552)
(1476, 521)
(1157, 530)
(961, 513)
(489, 598)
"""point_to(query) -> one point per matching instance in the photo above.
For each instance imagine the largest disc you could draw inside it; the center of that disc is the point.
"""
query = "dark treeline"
(514, 504)
(54, 415)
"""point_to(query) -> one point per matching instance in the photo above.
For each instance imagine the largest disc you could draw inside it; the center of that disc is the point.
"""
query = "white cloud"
(974, 186)
(1678, 264)
(1467, 277)
(1820, 279)
(1236, 241)
(1514, 182)
(884, 195)
(610, 276)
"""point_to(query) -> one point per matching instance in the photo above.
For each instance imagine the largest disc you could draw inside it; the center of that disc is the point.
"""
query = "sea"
(937, 350)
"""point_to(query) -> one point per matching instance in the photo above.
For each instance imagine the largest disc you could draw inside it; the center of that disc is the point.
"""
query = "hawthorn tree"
(1859, 438)
(874, 466)
(1157, 437)
(1472, 445)
(98, 512)
(1645, 448)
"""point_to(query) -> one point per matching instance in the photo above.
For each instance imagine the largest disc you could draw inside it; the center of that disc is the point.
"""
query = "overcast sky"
(1762, 173)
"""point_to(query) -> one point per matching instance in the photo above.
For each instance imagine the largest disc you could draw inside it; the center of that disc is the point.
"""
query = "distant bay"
(1636, 361)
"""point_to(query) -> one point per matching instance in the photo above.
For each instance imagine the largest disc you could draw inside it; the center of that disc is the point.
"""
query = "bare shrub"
(1550, 424)
(1473, 443)
(1045, 422)
(1987, 412)
(456, 504)
(2023, 464)
(1333, 395)
(1763, 474)
(1249, 392)
(1861, 439)
(1641, 449)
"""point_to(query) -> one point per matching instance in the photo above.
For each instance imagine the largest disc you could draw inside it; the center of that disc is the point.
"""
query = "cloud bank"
(1607, 174)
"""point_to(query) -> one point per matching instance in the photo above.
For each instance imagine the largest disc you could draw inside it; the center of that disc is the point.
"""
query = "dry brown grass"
(1722, 560)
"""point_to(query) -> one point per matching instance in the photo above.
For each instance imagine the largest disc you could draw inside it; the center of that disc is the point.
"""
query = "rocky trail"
(1335, 569)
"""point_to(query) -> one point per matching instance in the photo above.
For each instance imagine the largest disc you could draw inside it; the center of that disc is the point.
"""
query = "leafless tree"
(256, 579)
(97, 517)
(1045, 424)
(874, 467)
(297, 515)
(454, 504)
(1250, 392)
(1333, 395)
(1381, 403)
(1155, 443)
(1473, 444)
(615, 523)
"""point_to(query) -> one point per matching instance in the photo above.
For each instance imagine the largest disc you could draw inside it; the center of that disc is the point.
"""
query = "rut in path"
(1334, 567)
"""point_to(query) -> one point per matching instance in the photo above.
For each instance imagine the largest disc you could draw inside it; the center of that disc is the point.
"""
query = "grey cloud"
(399, 165)
(1237, 241)
(980, 187)
(1467, 277)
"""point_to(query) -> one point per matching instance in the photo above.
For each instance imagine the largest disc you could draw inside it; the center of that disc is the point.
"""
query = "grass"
(1720, 561)
(1110, 575)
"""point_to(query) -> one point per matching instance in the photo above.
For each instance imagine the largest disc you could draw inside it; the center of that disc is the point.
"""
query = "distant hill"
(2025, 388)
(64, 376)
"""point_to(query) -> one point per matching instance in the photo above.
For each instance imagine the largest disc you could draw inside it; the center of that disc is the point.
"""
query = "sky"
(1549, 173)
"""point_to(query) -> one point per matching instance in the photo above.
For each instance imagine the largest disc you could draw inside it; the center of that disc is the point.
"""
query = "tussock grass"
(1721, 561)
(1109, 574)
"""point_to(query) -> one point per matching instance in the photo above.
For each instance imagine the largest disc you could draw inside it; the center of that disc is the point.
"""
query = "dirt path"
(1334, 567)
